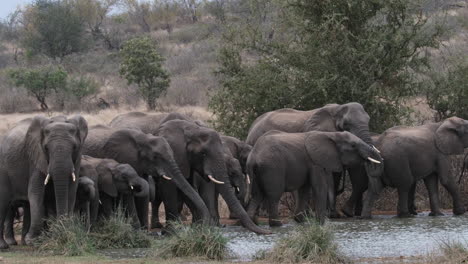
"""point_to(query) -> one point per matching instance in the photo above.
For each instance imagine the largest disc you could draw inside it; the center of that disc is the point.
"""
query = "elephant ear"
(323, 152)
(33, 140)
(81, 125)
(321, 120)
(106, 179)
(174, 132)
(447, 136)
(125, 143)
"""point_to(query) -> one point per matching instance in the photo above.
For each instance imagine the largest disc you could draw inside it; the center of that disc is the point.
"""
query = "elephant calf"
(284, 162)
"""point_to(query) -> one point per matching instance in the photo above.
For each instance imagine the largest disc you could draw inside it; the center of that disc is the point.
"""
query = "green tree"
(447, 93)
(82, 87)
(53, 28)
(41, 82)
(141, 64)
(305, 54)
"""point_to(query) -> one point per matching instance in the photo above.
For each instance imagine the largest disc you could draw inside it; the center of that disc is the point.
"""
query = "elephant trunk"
(61, 170)
(181, 183)
(363, 133)
(142, 186)
(235, 206)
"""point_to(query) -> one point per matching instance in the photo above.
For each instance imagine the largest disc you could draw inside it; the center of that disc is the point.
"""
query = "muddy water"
(382, 236)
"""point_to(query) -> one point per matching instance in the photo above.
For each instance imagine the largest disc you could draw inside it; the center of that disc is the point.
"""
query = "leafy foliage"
(447, 93)
(142, 65)
(305, 54)
(82, 87)
(53, 28)
(40, 82)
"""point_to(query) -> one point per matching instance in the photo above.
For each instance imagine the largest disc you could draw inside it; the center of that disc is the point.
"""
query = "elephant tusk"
(166, 177)
(131, 187)
(378, 151)
(373, 160)
(248, 179)
(100, 202)
(214, 180)
(238, 190)
(47, 179)
(73, 176)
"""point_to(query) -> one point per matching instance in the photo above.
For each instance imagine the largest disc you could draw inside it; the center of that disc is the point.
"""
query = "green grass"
(68, 236)
(309, 242)
(193, 241)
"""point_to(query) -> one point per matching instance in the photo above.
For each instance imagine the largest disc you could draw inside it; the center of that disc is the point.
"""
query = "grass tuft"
(68, 236)
(65, 236)
(309, 242)
(194, 241)
(449, 251)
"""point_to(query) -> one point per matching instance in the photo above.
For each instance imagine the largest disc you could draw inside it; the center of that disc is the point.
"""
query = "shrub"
(194, 241)
(67, 236)
(309, 242)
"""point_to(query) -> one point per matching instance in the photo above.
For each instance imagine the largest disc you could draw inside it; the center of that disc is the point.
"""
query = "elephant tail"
(463, 168)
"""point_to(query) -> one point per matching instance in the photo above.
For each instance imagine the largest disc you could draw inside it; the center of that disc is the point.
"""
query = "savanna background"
(228, 61)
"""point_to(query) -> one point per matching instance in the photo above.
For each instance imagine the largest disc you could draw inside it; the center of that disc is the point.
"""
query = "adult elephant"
(34, 153)
(422, 152)
(113, 181)
(148, 155)
(199, 150)
(284, 162)
(349, 117)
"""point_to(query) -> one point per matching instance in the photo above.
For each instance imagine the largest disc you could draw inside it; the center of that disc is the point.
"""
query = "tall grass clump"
(194, 241)
(67, 236)
(117, 232)
(309, 242)
(449, 251)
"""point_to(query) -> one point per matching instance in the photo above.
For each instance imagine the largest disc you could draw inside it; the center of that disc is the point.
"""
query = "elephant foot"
(335, 214)
(413, 212)
(438, 213)
(458, 211)
(3, 244)
(347, 211)
(405, 215)
(275, 223)
(11, 241)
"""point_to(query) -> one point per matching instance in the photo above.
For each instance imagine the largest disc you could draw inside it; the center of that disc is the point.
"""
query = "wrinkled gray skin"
(414, 153)
(239, 150)
(349, 117)
(199, 150)
(284, 162)
(31, 150)
(148, 155)
(86, 194)
(190, 162)
(115, 181)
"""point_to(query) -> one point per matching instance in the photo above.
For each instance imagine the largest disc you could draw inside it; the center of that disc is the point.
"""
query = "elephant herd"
(58, 166)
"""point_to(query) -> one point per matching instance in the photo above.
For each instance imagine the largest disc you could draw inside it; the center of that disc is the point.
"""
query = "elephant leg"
(359, 183)
(331, 183)
(36, 198)
(273, 219)
(207, 193)
(432, 186)
(411, 195)
(319, 180)
(9, 223)
(141, 206)
(371, 197)
(256, 200)
(26, 222)
(447, 181)
(155, 222)
(171, 200)
(403, 193)
(131, 210)
(302, 202)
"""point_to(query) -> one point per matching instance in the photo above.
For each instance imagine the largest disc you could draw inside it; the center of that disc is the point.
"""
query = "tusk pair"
(378, 151)
(166, 178)
(214, 180)
(47, 179)
(248, 178)
(373, 160)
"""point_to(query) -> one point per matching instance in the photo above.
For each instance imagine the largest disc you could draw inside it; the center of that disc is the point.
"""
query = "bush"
(309, 242)
(194, 241)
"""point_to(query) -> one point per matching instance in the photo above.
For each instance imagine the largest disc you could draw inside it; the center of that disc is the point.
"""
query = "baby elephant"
(284, 162)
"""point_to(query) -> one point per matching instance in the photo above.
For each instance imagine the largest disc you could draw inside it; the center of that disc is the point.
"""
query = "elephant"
(199, 150)
(284, 162)
(239, 150)
(148, 155)
(349, 117)
(147, 123)
(38, 151)
(421, 152)
(86, 194)
(115, 181)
